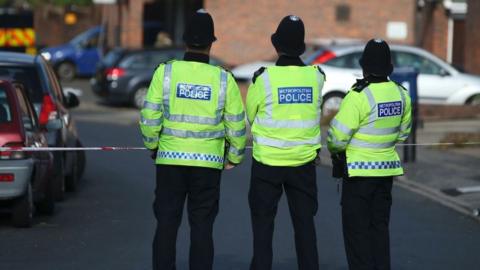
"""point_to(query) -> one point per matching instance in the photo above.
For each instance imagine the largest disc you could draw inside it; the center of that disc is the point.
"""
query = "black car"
(45, 92)
(123, 76)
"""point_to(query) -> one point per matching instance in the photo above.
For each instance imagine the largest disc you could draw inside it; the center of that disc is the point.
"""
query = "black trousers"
(201, 188)
(266, 186)
(366, 203)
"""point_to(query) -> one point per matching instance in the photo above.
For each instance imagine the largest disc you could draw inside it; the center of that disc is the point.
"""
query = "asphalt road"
(108, 223)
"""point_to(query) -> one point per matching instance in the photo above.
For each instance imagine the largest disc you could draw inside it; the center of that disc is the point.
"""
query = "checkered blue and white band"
(374, 165)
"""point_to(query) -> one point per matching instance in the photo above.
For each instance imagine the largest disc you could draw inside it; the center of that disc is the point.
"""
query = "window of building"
(342, 13)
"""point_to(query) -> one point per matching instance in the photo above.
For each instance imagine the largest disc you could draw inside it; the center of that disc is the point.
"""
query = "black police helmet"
(289, 37)
(199, 30)
(376, 59)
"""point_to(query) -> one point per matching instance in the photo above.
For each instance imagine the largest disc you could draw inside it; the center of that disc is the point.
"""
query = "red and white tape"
(135, 148)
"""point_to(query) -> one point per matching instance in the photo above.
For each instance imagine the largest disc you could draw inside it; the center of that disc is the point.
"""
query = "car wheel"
(139, 96)
(331, 103)
(72, 178)
(59, 179)
(474, 101)
(22, 215)
(66, 71)
(47, 205)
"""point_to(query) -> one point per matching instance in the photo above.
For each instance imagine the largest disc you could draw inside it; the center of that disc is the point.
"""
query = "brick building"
(244, 27)
(472, 40)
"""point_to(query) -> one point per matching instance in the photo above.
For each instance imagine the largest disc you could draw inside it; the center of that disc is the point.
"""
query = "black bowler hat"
(199, 30)
(376, 59)
(289, 37)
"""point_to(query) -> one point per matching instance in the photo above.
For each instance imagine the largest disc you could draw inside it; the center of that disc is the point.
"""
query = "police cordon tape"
(134, 148)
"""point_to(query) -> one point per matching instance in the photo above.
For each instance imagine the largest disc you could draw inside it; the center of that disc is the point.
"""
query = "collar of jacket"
(375, 79)
(284, 60)
(196, 57)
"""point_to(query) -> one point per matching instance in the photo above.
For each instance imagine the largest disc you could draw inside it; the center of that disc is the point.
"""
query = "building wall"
(435, 38)
(472, 48)
(51, 29)
(243, 27)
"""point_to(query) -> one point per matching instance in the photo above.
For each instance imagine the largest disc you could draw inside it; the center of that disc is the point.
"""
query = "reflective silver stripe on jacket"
(223, 90)
(150, 122)
(152, 106)
(378, 131)
(150, 139)
(193, 119)
(193, 134)
(236, 133)
(373, 107)
(282, 143)
(235, 151)
(182, 118)
(362, 143)
(268, 95)
(321, 82)
(287, 123)
(340, 126)
(234, 117)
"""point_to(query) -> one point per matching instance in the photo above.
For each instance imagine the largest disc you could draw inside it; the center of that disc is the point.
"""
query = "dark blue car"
(78, 57)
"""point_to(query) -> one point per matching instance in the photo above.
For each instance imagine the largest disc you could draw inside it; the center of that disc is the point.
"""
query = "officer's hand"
(153, 153)
(229, 165)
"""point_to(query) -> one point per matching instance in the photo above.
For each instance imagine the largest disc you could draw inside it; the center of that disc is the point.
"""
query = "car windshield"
(28, 77)
(84, 36)
(5, 112)
(112, 57)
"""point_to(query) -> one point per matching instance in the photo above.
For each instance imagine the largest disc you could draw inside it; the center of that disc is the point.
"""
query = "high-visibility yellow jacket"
(283, 107)
(372, 118)
(189, 111)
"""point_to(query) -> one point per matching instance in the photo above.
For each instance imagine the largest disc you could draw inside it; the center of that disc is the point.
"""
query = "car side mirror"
(72, 100)
(444, 73)
(53, 124)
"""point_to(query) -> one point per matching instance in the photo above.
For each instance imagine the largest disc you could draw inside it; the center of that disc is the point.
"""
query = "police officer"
(190, 110)
(373, 117)
(283, 107)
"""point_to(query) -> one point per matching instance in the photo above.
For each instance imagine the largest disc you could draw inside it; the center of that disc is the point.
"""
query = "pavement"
(109, 224)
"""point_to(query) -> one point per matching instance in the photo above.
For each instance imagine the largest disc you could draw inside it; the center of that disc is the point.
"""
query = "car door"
(87, 55)
(434, 83)
(33, 136)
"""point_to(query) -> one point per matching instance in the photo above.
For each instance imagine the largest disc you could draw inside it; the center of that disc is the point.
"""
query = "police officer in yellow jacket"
(191, 110)
(283, 107)
(373, 117)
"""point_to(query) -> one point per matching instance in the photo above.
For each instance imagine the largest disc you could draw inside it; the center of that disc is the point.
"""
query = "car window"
(26, 75)
(346, 61)
(159, 57)
(135, 61)
(53, 81)
(111, 58)
(25, 114)
(5, 111)
(424, 65)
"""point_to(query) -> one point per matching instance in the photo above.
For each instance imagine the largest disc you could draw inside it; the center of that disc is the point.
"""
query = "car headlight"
(47, 55)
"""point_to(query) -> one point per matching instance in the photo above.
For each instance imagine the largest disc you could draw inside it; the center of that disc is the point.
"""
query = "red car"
(25, 177)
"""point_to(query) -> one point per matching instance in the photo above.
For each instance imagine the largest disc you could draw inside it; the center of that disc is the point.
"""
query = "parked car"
(78, 57)
(51, 104)
(25, 177)
(123, 76)
(438, 82)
